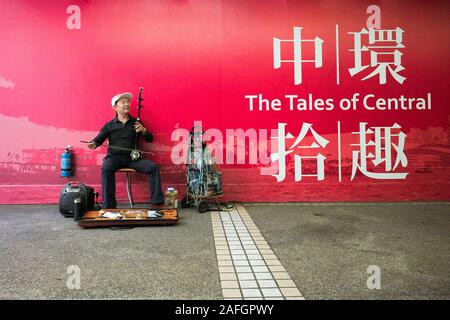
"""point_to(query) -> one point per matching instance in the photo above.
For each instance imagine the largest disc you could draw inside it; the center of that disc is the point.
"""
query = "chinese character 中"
(297, 42)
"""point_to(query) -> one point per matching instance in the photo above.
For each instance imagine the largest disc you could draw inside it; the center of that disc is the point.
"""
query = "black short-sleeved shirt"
(121, 135)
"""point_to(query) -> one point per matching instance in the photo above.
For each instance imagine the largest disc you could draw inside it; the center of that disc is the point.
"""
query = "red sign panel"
(298, 100)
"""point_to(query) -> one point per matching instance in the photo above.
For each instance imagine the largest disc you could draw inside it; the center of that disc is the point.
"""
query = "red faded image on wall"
(304, 100)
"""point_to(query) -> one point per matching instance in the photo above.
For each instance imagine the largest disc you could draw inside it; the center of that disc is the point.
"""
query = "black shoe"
(106, 207)
(157, 206)
(160, 205)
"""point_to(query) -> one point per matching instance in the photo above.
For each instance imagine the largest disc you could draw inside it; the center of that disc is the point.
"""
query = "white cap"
(119, 96)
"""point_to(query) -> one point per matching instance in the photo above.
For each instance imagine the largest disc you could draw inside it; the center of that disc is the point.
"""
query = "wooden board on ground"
(129, 217)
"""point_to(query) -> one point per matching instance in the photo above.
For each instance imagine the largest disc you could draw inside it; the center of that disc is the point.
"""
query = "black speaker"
(72, 191)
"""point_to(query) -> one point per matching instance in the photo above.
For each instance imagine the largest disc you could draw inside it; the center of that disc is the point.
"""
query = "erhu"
(136, 154)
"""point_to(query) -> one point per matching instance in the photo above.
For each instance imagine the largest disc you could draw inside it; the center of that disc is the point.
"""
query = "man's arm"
(147, 136)
(145, 133)
(100, 138)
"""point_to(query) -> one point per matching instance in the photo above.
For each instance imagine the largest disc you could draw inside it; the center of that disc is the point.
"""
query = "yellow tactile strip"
(248, 267)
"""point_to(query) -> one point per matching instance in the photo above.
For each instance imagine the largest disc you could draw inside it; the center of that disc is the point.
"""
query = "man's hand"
(139, 127)
(91, 145)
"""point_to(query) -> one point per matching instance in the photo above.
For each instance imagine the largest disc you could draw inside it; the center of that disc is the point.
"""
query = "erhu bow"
(136, 154)
(116, 147)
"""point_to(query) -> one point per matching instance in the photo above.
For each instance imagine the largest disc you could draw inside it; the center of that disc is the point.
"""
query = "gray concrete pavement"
(326, 248)
(37, 245)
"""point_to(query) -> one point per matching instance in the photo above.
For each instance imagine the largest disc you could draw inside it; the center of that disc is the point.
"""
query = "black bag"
(72, 191)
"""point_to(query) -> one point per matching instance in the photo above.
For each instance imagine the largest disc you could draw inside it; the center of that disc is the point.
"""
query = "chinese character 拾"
(282, 152)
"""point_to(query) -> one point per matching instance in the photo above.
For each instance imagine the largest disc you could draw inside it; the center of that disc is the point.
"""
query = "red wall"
(197, 60)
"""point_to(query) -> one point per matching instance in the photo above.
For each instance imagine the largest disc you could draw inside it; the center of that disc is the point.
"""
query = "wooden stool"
(128, 172)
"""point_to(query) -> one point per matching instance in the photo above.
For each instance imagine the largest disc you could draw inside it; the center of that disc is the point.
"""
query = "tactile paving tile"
(248, 267)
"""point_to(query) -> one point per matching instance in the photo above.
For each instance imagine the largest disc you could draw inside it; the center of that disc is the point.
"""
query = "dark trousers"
(111, 164)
